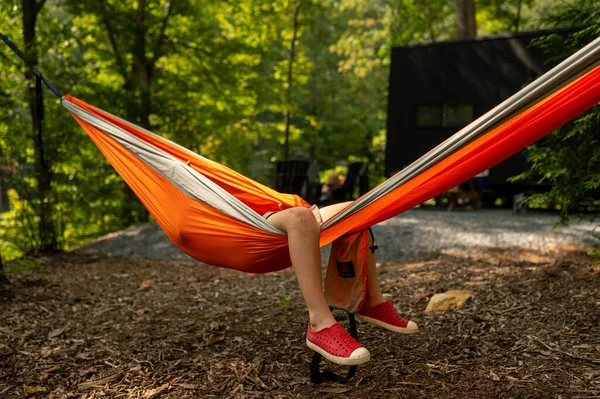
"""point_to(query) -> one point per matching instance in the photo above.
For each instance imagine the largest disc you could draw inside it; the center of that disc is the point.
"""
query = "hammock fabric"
(211, 236)
(200, 230)
(213, 213)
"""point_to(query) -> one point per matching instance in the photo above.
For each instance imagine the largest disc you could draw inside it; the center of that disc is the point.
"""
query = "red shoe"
(336, 345)
(386, 316)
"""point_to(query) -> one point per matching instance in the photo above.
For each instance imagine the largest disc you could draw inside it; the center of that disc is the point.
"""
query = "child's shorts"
(315, 210)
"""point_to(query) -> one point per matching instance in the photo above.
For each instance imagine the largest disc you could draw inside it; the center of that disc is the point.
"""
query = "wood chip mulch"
(101, 327)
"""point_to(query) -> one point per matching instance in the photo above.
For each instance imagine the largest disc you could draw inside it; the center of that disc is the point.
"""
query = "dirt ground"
(100, 327)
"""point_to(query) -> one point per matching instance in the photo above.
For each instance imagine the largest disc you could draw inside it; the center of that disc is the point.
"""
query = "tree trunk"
(144, 73)
(3, 279)
(1, 268)
(142, 67)
(465, 19)
(3, 186)
(314, 95)
(518, 19)
(46, 228)
(286, 145)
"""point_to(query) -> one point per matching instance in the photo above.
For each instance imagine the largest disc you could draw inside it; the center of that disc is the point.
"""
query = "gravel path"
(418, 232)
(411, 235)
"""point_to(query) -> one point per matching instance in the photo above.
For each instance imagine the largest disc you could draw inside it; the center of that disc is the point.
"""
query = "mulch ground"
(100, 327)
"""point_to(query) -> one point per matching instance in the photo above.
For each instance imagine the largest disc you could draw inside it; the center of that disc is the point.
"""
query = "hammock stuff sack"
(214, 213)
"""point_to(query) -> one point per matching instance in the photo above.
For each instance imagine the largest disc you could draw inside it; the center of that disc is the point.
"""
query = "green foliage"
(569, 158)
(211, 76)
(24, 265)
(285, 301)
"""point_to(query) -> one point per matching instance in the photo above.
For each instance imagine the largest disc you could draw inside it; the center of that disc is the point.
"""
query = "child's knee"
(302, 219)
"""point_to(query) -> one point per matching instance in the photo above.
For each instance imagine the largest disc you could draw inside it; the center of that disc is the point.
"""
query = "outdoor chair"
(291, 177)
(356, 171)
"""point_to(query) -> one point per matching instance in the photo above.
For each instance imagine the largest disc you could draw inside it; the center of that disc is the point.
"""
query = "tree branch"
(39, 5)
(200, 53)
(113, 43)
(287, 116)
(8, 59)
(161, 37)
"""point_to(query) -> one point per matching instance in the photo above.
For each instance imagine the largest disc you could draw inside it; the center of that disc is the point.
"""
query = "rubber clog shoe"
(386, 316)
(336, 345)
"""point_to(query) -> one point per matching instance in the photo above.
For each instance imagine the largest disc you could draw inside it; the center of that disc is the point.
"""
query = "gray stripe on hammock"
(571, 68)
(568, 70)
(188, 180)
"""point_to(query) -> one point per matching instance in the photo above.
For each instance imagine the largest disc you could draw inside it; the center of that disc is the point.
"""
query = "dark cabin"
(438, 88)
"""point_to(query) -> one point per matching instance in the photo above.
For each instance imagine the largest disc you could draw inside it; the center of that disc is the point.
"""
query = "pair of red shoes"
(336, 345)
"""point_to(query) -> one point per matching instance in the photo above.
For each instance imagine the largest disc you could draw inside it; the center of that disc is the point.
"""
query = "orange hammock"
(208, 233)
(214, 214)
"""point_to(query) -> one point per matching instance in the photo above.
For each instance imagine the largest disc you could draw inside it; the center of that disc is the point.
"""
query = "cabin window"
(458, 115)
(429, 115)
(443, 115)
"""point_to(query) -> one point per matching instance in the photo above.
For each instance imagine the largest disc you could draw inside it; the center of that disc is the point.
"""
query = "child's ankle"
(317, 324)
(373, 301)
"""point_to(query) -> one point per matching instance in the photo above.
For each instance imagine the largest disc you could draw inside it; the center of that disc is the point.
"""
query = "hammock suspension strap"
(37, 73)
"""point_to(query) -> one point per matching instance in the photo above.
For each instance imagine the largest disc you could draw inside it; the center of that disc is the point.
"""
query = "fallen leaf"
(146, 284)
(44, 376)
(7, 331)
(494, 376)
(33, 390)
(57, 332)
(152, 393)
(214, 339)
(102, 381)
(53, 369)
(86, 371)
(336, 390)
(45, 352)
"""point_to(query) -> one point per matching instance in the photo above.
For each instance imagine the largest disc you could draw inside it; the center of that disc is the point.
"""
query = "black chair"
(291, 177)
(356, 171)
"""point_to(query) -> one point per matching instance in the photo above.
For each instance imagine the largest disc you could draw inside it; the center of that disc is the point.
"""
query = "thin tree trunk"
(46, 229)
(141, 65)
(465, 19)
(314, 95)
(3, 279)
(286, 145)
(3, 188)
(144, 68)
(518, 20)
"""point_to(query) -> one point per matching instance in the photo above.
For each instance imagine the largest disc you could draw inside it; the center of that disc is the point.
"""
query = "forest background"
(244, 83)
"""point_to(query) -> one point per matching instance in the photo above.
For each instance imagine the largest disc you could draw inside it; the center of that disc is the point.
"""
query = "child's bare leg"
(327, 212)
(373, 296)
(303, 239)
